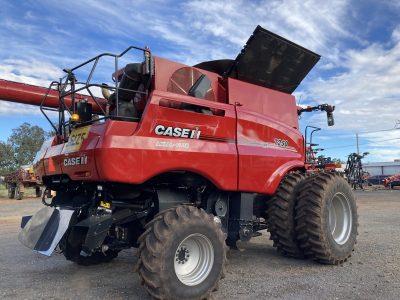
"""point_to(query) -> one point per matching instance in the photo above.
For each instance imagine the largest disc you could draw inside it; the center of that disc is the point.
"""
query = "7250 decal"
(281, 143)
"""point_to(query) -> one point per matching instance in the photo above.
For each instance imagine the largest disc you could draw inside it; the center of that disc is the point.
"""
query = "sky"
(359, 42)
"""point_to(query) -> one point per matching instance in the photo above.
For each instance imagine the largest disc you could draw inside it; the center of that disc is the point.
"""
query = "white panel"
(391, 170)
(373, 170)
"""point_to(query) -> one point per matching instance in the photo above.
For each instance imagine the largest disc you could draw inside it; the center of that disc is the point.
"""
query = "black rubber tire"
(18, 194)
(11, 193)
(158, 246)
(71, 246)
(280, 215)
(312, 220)
(38, 192)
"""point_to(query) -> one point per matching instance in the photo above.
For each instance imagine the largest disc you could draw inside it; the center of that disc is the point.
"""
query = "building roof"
(382, 164)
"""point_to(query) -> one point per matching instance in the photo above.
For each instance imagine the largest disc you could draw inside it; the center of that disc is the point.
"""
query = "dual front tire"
(314, 217)
(326, 219)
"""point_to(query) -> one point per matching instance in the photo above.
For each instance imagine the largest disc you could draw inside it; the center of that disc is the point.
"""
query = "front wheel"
(327, 220)
(280, 215)
(182, 254)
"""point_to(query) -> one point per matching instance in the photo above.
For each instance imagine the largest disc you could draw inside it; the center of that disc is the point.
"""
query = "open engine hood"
(267, 60)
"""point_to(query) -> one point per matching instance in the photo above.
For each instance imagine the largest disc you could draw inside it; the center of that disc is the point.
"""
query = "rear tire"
(11, 192)
(280, 216)
(18, 194)
(38, 192)
(327, 220)
(169, 242)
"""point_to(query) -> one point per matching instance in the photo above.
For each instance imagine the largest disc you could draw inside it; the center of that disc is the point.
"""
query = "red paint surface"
(237, 149)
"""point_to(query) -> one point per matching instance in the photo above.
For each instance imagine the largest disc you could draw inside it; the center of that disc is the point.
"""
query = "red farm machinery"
(182, 162)
(392, 181)
(315, 162)
(17, 181)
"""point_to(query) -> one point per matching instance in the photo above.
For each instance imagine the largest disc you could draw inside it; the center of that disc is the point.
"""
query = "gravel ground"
(254, 272)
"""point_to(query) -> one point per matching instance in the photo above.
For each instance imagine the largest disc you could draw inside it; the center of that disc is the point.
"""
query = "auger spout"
(33, 95)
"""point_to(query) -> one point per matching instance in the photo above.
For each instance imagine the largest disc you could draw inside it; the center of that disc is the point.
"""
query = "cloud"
(396, 34)
(366, 94)
(316, 25)
(9, 108)
(31, 72)
(195, 30)
(388, 154)
(382, 139)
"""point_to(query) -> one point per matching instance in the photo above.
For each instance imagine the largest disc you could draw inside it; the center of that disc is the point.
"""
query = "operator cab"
(133, 83)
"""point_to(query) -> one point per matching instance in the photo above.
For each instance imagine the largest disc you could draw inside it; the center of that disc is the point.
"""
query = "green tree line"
(21, 147)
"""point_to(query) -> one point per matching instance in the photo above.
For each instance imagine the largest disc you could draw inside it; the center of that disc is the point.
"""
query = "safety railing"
(70, 87)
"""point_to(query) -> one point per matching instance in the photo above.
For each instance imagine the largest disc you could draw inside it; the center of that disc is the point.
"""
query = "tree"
(7, 161)
(21, 147)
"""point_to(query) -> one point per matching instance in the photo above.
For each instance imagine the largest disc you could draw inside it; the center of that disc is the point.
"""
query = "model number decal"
(281, 143)
(177, 132)
(171, 145)
(76, 138)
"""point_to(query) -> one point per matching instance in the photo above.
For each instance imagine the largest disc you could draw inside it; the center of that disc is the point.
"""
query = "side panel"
(153, 150)
(76, 157)
(276, 105)
(267, 150)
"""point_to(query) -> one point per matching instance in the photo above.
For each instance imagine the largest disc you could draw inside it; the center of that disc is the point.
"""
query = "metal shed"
(382, 168)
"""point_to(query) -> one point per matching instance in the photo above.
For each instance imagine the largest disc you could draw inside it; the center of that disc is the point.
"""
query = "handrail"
(67, 87)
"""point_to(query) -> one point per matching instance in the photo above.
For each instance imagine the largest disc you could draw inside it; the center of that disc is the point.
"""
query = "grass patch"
(29, 192)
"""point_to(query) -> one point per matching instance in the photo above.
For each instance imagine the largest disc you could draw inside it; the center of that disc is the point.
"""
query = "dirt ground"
(255, 272)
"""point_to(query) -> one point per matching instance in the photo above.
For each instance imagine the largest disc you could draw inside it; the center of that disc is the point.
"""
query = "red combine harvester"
(181, 161)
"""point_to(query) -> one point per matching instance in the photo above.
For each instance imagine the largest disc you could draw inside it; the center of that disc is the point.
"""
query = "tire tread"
(153, 240)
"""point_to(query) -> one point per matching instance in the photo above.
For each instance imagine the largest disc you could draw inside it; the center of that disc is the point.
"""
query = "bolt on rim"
(194, 259)
(340, 218)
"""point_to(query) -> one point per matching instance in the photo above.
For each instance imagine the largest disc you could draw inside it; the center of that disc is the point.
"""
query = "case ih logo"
(73, 161)
(177, 132)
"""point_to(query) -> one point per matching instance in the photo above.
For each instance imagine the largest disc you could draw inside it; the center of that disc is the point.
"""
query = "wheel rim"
(194, 259)
(340, 218)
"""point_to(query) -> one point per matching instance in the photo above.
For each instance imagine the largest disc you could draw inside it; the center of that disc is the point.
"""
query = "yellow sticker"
(105, 204)
(77, 136)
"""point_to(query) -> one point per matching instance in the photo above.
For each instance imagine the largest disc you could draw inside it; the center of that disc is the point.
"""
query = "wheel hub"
(340, 218)
(194, 259)
(182, 255)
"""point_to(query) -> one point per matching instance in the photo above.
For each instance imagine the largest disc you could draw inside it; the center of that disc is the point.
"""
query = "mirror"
(331, 120)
